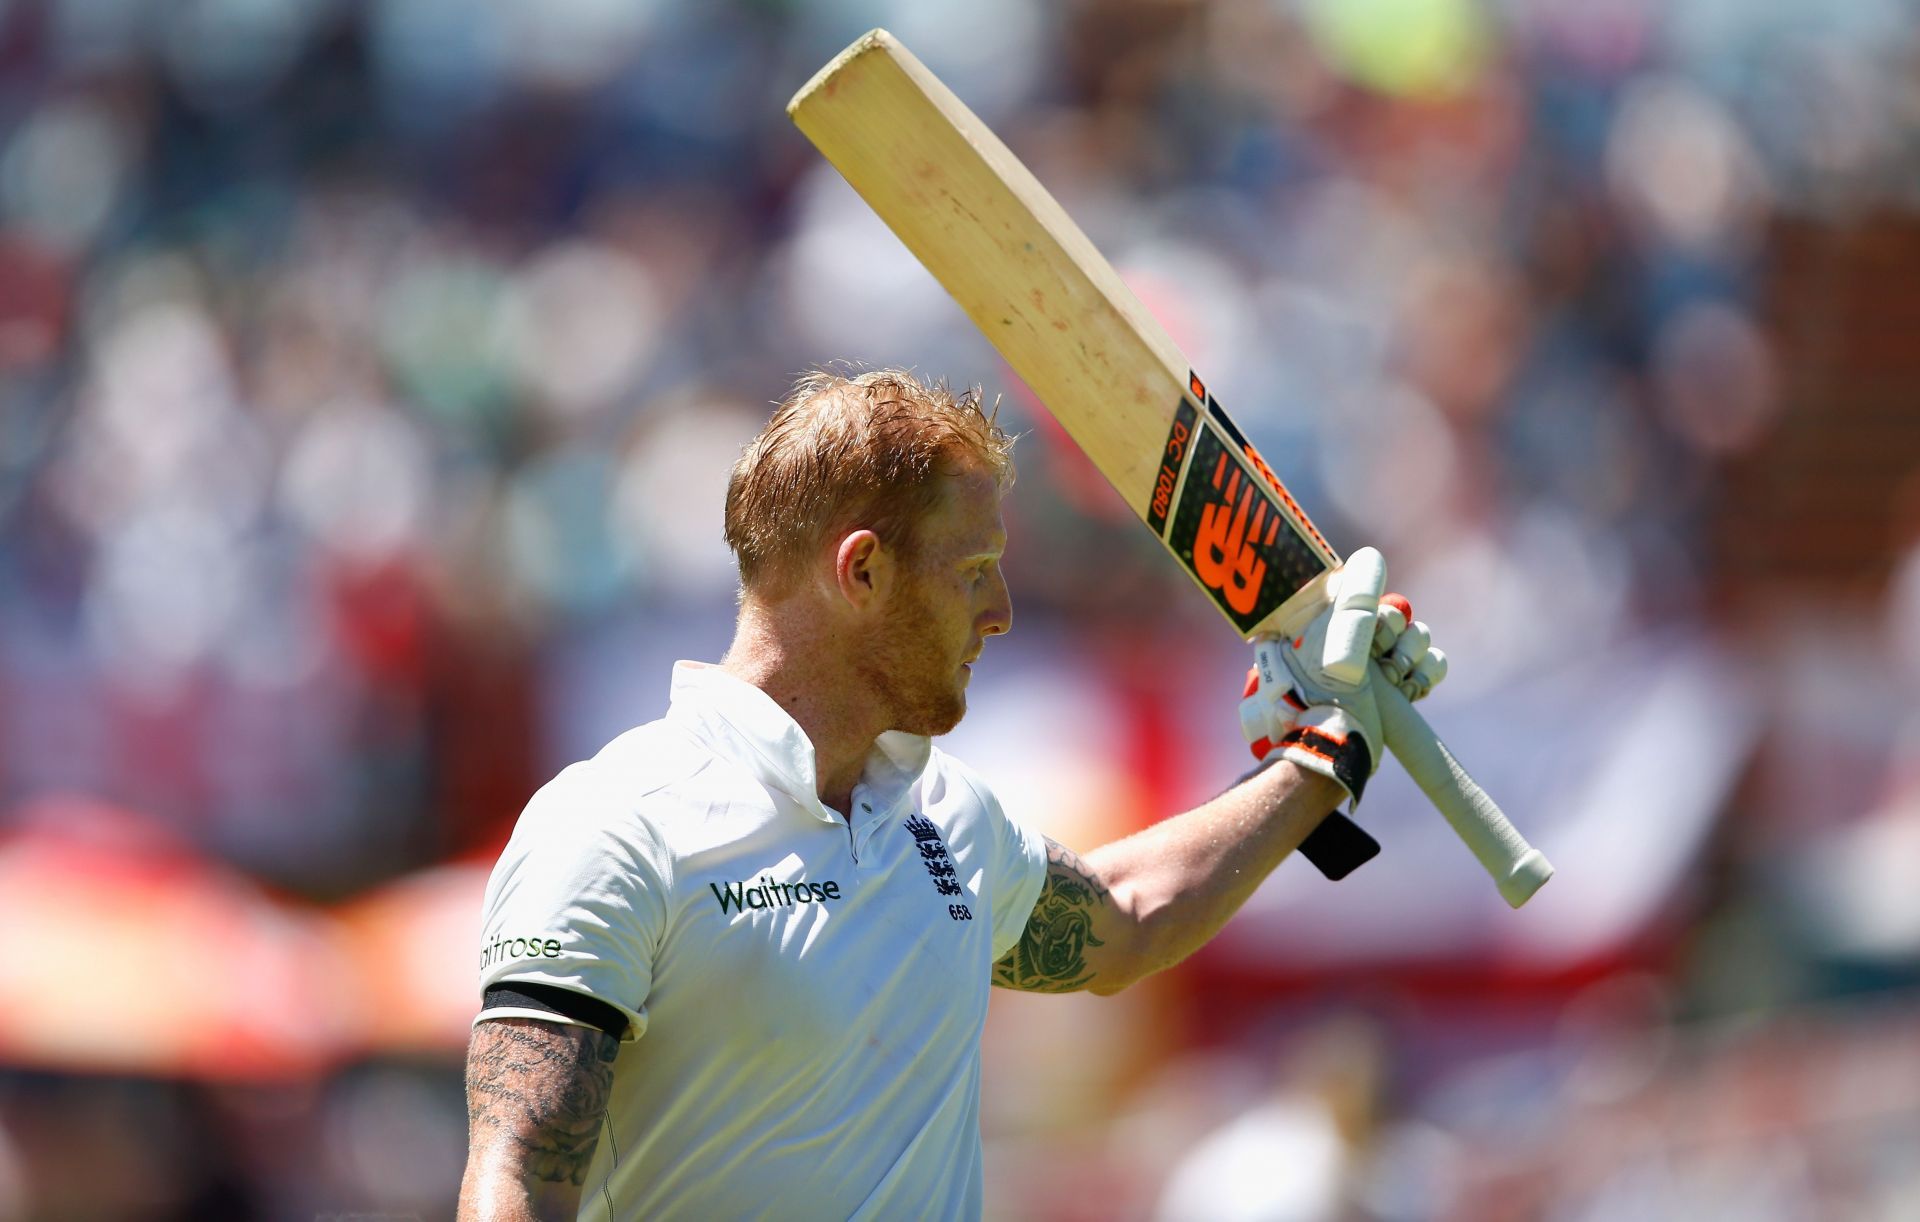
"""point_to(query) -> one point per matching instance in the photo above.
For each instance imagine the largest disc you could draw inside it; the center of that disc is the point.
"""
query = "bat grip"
(1517, 868)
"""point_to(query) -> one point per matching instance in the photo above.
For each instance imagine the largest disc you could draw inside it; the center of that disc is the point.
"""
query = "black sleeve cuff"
(522, 995)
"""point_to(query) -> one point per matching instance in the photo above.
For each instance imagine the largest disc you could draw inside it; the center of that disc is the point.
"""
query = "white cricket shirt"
(805, 993)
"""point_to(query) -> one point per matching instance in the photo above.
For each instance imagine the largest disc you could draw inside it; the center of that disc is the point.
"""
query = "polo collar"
(748, 726)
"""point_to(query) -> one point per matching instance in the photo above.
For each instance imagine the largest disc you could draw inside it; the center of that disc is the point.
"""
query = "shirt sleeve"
(1017, 864)
(578, 899)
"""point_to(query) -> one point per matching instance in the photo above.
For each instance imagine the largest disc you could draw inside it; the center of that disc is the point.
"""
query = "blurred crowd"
(369, 373)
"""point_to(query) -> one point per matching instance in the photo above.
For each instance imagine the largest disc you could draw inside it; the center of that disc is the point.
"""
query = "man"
(737, 964)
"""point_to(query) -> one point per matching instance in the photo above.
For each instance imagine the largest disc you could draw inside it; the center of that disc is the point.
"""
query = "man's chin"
(937, 720)
(954, 717)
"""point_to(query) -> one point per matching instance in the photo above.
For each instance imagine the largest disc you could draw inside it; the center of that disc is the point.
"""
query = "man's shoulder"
(649, 758)
(944, 763)
(951, 781)
(644, 766)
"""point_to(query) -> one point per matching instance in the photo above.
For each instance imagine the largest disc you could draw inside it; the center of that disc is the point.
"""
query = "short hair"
(846, 450)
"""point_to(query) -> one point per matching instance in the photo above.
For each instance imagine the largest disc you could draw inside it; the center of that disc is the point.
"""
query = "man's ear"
(863, 569)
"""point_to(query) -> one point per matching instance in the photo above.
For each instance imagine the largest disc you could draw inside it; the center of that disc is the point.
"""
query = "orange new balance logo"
(1225, 548)
(1280, 490)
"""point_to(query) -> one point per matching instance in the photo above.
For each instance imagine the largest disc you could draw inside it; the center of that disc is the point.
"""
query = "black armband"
(524, 995)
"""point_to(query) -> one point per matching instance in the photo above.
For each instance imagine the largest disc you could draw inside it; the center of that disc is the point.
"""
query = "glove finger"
(1413, 644)
(1388, 624)
(1356, 597)
(1269, 663)
(1426, 675)
(1400, 604)
(1408, 650)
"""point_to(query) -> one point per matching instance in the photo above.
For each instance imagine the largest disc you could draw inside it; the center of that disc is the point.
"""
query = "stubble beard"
(921, 692)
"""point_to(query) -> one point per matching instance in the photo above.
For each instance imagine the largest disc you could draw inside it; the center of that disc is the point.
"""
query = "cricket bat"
(1059, 314)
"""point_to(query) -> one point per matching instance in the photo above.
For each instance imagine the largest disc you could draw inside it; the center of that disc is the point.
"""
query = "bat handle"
(1517, 868)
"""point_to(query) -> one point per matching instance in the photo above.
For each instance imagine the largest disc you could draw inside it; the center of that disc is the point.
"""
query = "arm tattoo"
(1051, 955)
(539, 1090)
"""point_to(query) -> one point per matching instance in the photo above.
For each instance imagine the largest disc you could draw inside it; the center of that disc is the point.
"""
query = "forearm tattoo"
(540, 1090)
(1051, 956)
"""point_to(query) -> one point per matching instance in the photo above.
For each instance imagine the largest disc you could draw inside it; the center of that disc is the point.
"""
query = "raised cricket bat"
(1058, 312)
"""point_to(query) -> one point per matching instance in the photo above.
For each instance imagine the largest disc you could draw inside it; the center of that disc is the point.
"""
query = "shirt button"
(866, 808)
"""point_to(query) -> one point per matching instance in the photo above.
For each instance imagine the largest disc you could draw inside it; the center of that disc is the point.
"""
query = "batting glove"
(1291, 704)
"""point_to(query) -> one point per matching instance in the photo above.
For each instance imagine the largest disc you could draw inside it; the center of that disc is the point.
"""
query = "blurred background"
(369, 373)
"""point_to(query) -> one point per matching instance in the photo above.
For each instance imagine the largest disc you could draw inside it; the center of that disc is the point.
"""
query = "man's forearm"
(536, 1097)
(1177, 882)
(494, 1192)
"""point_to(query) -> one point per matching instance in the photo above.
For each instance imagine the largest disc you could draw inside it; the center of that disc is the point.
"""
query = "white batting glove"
(1318, 721)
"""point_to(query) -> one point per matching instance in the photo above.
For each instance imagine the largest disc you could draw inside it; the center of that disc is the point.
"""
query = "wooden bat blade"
(1037, 288)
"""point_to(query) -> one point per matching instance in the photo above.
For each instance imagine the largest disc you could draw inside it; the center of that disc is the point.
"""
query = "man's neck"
(800, 671)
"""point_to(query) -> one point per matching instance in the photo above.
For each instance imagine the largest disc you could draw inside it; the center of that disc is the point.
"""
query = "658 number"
(959, 912)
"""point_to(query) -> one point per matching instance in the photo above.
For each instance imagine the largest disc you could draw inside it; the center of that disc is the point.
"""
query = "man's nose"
(999, 618)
